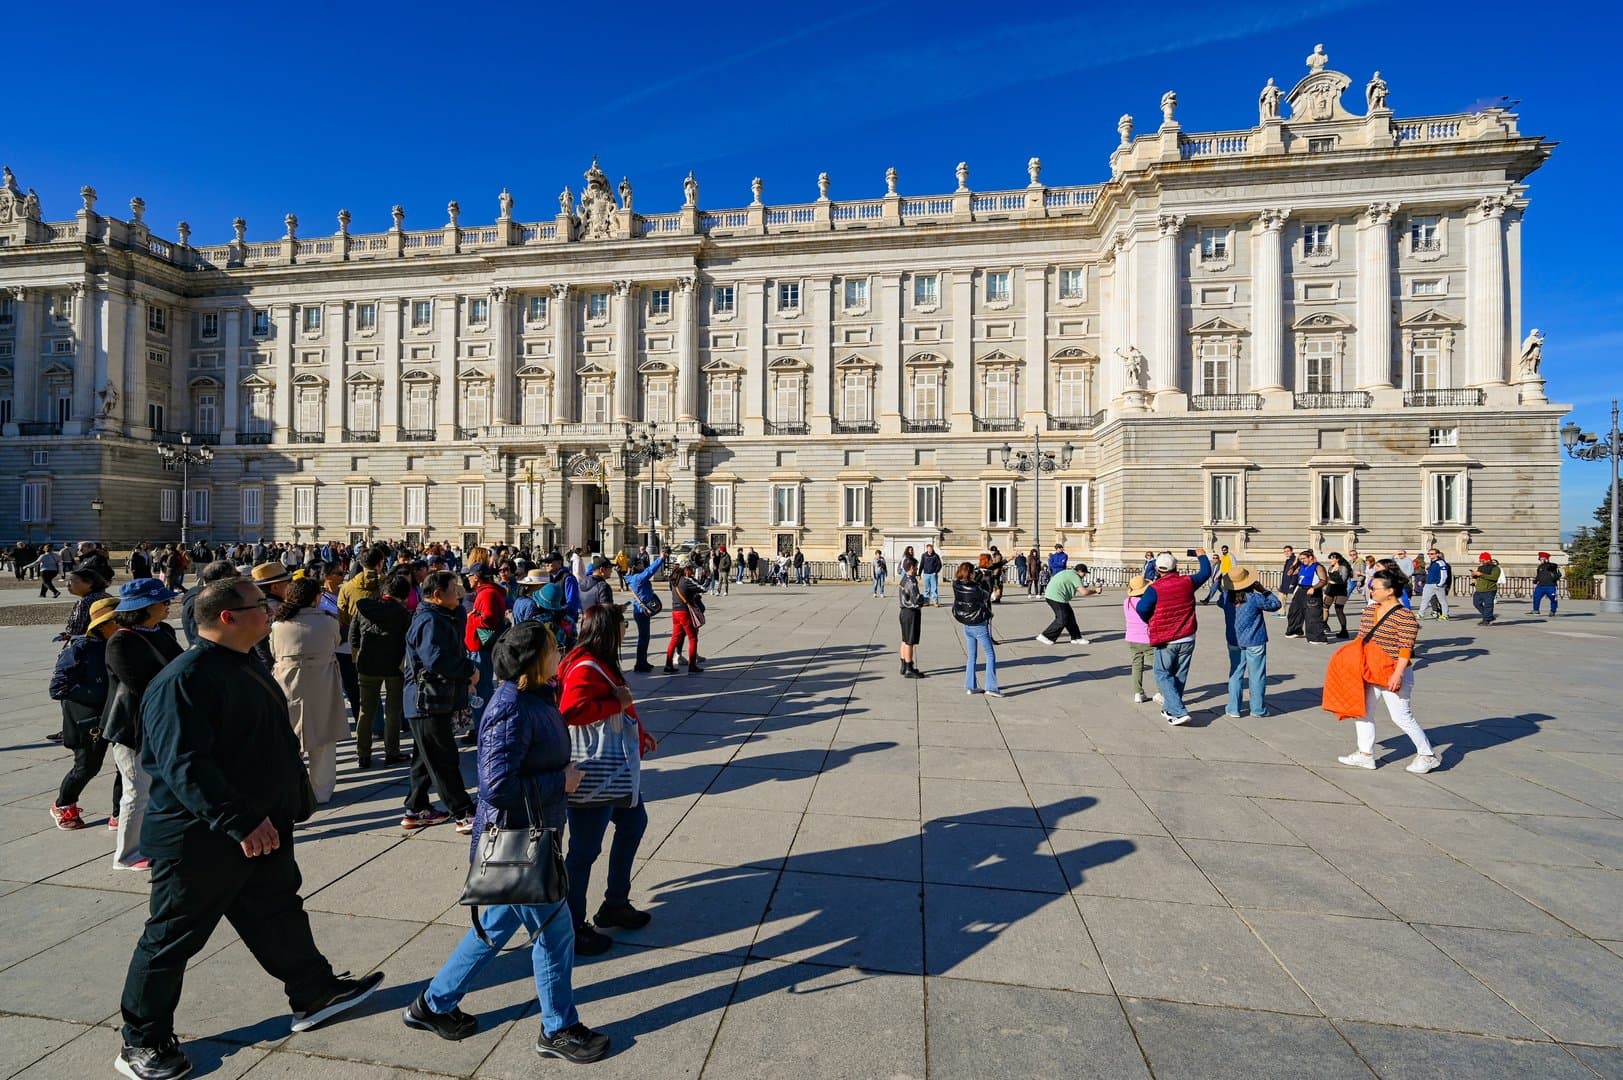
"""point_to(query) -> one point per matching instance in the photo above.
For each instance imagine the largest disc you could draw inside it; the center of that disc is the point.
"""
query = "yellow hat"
(101, 611)
(1241, 579)
(1137, 586)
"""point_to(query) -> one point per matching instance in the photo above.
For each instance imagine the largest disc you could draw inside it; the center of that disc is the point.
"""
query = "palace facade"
(1308, 330)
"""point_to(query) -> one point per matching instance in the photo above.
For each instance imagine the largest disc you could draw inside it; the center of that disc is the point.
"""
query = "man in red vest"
(1168, 608)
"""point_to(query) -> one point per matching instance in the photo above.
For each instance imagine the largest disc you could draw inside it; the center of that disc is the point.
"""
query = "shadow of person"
(669, 783)
(1454, 741)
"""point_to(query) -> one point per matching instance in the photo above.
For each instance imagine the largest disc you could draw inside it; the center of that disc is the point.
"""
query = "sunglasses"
(261, 606)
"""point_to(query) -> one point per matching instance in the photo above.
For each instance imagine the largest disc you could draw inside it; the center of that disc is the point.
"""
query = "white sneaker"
(1175, 721)
(1079, 641)
(1358, 760)
(1423, 764)
(1159, 700)
(1045, 639)
(1139, 699)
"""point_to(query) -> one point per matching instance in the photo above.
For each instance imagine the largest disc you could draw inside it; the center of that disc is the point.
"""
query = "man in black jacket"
(227, 786)
(214, 571)
(438, 679)
(377, 637)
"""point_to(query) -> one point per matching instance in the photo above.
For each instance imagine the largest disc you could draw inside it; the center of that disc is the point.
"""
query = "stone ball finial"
(399, 215)
(239, 226)
(292, 223)
(343, 221)
(138, 207)
(184, 232)
(88, 194)
(962, 172)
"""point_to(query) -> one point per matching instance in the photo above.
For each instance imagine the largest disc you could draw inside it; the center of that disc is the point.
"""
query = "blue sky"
(210, 113)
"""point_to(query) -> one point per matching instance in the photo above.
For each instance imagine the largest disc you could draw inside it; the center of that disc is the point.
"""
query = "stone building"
(1307, 330)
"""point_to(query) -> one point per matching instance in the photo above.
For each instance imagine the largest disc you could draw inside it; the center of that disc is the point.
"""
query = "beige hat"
(268, 573)
(101, 611)
(1241, 578)
(1137, 586)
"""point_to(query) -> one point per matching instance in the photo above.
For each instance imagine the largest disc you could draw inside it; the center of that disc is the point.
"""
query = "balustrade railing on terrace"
(1225, 402)
(1077, 423)
(926, 427)
(1341, 399)
(1428, 129)
(998, 423)
(1216, 144)
(1443, 398)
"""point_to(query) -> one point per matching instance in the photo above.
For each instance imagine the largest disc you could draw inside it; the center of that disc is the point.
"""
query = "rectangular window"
(478, 311)
(416, 506)
(788, 400)
(8, 311)
(1322, 144)
(926, 290)
(723, 299)
(366, 317)
(997, 287)
(926, 506)
(1073, 505)
(1072, 398)
(926, 394)
(311, 314)
(856, 399)
(1316, 240)
(475, 403)
(723, 401)
(249, 509)
(856, 505)
(1224, 508)
(360, 505)
(41, 458)
(419, 406)
(1215, 368)
(789, 296)
(304, 505)
(1335, 491)
(1319, 365)
(1425, 233)
(999, 394)
(1072, 284)
(1444, 436)
(209, 325)
(473, 505)
(1426, 287)
(786, 504)
(856, 294)
(5, 409)
(1214, 245)
(537, 405)
(597, 305)
(535, 309)
(1426, 364)
(997, 506)
(307, 414)
(659, 302)
(199, 509)
(258, 418)
(261, 323)
(422, 314)
(363, 408)
(656, 401)
(1447, 499)
(157, 356)
(650, 503)
(64, 407)
(595, 402)
(168, 505)
(157, 319)
(208, 413)
(36, 502)
(155, 416)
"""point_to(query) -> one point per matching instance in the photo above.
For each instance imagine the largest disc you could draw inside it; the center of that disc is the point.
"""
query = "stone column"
(563, 357)
(84, 383)
(447, 399)
(111, 323)
(1374, 309)
(1036, 374)
(1485, 359)
(135, 367)
(890, 354)
(230, 374)
(30, 308)
(1169, 341)
(626, 393)
(688, 375)
(282, 394)
(754, 325)
(820, 300)
(389, 360)
(1267, 303)
(501, 354)
(963, 351)
(337, 403)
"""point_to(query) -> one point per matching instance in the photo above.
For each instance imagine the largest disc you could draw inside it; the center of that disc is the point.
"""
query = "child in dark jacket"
(80, 684)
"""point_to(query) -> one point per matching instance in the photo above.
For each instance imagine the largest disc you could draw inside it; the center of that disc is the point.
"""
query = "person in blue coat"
(1245, 603)
(643, 604)
(438, 679)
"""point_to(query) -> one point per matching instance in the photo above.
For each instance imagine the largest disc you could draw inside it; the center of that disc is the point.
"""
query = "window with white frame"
(1426, 287)
(199, 508)
(723, 400)
(997, 287)
(360, 504)
(926, 290)
(473, 505)
(1443, 436)
(363, 407)
(1318, 240)
(308, 417)
(1319, 364)
(36, 502)
(310, 315)
(209, 325)
(535, 309)
(786, 504)
(650, 504)
(366, 317)
(925, 393)
(41, 458)
(656, 399)
(1334, 505)
(1223, 499)
(1447, 498)
(999, 499)
(1073, 504)
(997, 393)
(524, 503)
(856, 396)
(719, 503)
(856, 294)
(415, 506)
(168, 505)
(206, 412)
(157, 356)
(855, 505)
(536, 406)
(422, 314)
(1071, 397)
(788, 398)
(155, 416)
(595, 400)
(478, 311)
(157, 319)
(926, 506)
(1214, 245)
(250, 506)
(597, 306)
(304, 505)
(788, 296)
(1073, 284)
(5, 407)
(1425, 233)
(1426, 364)
(659, 303)
(8, 311)
(419, 406)
(723, 299)
(64, 406)
(475, 403)
(257, 410)
(261, 323)
(1216, 367)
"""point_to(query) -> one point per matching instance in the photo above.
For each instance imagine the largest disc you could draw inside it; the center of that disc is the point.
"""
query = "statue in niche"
(1124, 128)
(1268, 102)
(1135, 367)
(108, 395)
(690, 190)
(1375, 93)
(1532, 355)
(1317, 60)
(1169, 105)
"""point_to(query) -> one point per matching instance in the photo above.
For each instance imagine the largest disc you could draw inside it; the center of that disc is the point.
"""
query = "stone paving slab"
(856, 875)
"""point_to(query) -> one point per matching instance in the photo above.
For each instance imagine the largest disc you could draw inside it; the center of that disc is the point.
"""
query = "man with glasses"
(227, 785)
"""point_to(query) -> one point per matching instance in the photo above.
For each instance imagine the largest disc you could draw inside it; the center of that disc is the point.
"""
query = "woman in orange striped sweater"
(1393, 629)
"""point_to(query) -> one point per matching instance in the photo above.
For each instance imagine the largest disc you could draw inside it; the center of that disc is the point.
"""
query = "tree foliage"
(1590, 542)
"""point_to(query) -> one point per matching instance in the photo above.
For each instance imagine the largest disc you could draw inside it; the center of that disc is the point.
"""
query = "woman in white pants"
(1388, 626)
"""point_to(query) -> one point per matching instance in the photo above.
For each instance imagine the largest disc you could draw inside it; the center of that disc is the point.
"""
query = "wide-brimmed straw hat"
(1241, 578)
(1137, 586)
(269, 573)
(101, 611)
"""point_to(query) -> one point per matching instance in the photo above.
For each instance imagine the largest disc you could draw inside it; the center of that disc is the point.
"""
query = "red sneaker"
(423, 819)
(112, 822)
(67, 817)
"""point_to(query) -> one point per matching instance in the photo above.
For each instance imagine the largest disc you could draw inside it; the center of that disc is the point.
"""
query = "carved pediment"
(785, 362)
(1074, 355)
(474, 374)
(998, 356)
(585, 465)
(1322, 320)
(202, 382)
(309, 379)
(657, 367)
(592, 367)
(534, 371)
(923, 358)
(1318, 97)
(856, 360)
(721, 366)
(57, 371)
(1429, 318)
(362, 378)
(1218, 325)
(419, 375)
(256, 381)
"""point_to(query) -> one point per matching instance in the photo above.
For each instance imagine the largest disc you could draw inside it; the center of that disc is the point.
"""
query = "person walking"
(687, 615)
(47, 565)
(1168, 607)
(1306, 612)
(137, 651)
(1439, 575)
(602, 715)
(304, 650)
(1065, 584)
(80, 684)
(487, 618)
(911, 599)
(438, 678)
(880, 570)
(1220, 580)
(89, 587)
(1141, 653)
(1337, 585)
(1020, 563)
(1546, 581)
(524, 769)
(930, 575)
(972, 609)
(227, 786)
(596, 589)
(1244, 604)
(724, 572)
(1393, 631)
(1287, 585)
(645, 605)
(377, 640)
(1486, 579)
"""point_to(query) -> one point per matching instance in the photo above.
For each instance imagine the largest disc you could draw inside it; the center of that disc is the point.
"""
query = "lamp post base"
(1612, 602)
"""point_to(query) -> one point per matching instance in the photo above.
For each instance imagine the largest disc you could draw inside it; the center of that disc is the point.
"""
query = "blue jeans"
(587, 824)
(487, 680)
(645, 623)
(1539, 593)
(1250, 662)
(879, 584)
(932, 587)
(1172, 672)
(552, 955)
(1484, 604)
(980, 637)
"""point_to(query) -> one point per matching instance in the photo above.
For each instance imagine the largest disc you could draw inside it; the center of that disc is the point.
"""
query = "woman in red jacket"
(594, 693)
(487, 617)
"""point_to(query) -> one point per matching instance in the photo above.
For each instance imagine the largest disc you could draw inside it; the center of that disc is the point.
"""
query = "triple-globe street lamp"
(1036, 462)
(644, 444)
(185, 455)
(1587, 446)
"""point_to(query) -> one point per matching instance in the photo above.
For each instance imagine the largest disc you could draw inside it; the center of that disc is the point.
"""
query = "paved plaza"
(856, 875)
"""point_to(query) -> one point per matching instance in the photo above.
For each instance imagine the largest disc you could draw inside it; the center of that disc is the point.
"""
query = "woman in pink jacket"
(1138, 637)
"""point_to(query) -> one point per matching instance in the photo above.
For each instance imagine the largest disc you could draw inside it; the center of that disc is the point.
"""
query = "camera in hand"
(1189, 552)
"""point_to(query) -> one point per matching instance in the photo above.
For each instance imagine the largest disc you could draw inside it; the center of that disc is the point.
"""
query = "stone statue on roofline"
(690, 190)
(1317, 60)
(1375, 93)
(1134, 366)
(1268, 101)
(1532, 355)
(1169, 105)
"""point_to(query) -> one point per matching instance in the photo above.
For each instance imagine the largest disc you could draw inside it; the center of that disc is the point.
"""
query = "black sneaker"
(577, 1043)
(670, 669)
(588, 942)
(695, 669)
(345, 993)
(453, 1025)
(622, 916)
(164, 1062)
(643, 668)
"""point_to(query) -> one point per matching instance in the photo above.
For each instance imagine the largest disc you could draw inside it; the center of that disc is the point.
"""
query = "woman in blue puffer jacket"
(523, 763)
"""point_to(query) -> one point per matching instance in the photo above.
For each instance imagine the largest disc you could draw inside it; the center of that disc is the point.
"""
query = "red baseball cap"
(1484, 557)
(1544, 554)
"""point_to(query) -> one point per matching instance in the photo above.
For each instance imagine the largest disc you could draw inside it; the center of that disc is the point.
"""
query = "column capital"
(1273, 220)
(1492, 206)
(685, 284)
(500, 293)
(622, 287)
(560, 290)
(1169, 225)
(1380, 213)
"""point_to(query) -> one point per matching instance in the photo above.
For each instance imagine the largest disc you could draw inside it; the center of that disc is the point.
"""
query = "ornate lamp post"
(185, 455)
(1586, 446)
(1037, 461)
(644, 444)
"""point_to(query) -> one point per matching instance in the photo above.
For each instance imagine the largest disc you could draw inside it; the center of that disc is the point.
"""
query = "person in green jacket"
(1063, 587)
(1486, 578)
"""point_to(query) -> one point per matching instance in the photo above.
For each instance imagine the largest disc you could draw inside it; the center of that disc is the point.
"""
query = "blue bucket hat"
(551, 597)
(143, 593)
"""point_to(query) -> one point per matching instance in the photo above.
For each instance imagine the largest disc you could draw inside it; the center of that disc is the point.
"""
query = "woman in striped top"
(1395, 636)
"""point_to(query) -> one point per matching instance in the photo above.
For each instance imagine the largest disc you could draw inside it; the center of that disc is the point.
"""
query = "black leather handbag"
(515, 866)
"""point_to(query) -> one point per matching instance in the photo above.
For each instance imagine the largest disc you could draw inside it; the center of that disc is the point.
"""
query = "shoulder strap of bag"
(1393, 610)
